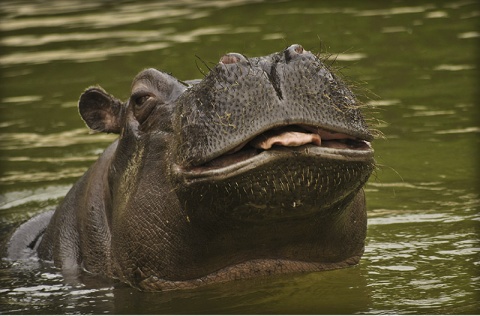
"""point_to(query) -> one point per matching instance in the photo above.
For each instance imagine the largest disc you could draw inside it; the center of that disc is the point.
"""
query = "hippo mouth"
(298, 140)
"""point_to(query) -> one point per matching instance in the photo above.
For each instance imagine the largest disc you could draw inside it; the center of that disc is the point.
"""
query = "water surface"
(414, 61)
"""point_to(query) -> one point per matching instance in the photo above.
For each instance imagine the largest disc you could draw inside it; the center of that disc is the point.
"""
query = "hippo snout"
(242, 98)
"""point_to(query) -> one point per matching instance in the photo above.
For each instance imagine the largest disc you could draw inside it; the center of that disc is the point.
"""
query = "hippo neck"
(202, 253)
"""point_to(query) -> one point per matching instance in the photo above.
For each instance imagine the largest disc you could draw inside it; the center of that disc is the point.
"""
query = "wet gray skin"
(255, 170)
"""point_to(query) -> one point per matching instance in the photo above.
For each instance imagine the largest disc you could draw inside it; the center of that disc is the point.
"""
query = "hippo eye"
(141, 106)
(139, 101)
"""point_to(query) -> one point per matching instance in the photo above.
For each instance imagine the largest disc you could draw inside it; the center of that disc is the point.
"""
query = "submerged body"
(255, 170)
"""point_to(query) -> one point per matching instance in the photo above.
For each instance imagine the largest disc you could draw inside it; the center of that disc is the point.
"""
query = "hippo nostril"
(293, 50)
(232, 58)
(298, 49)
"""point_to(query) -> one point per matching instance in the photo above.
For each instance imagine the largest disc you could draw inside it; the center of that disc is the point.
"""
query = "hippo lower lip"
(279, 143)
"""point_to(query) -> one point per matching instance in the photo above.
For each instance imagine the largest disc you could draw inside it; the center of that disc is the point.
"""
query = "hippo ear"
(101, 111)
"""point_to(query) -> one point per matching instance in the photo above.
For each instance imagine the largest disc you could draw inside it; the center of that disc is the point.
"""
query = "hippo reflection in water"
(255, 170)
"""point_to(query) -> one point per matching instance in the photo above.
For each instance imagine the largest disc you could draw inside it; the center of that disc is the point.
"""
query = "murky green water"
(419, 57)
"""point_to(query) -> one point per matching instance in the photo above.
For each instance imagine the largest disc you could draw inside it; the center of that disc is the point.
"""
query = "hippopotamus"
(257, 169)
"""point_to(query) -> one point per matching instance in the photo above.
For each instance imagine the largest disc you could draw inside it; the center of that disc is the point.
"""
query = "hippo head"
(272, 138)
(257, 169)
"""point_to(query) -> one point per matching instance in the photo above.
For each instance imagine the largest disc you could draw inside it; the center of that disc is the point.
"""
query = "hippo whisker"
(204, 63)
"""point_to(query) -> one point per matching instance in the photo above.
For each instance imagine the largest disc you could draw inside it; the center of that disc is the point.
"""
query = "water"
(418, 59)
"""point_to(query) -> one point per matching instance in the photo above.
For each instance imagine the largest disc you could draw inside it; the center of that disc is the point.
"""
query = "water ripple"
(105, 19)
(131, 36)
(14, 141)
(80, 55)
(17, 198)
(394, 11)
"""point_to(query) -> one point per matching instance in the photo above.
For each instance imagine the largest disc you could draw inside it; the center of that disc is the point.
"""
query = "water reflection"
(308, 293)
(303, 294)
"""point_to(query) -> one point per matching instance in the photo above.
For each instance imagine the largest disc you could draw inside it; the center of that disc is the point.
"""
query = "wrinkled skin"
(255, 170)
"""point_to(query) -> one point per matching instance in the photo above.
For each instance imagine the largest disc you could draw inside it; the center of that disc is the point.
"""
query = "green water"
(415, 61)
